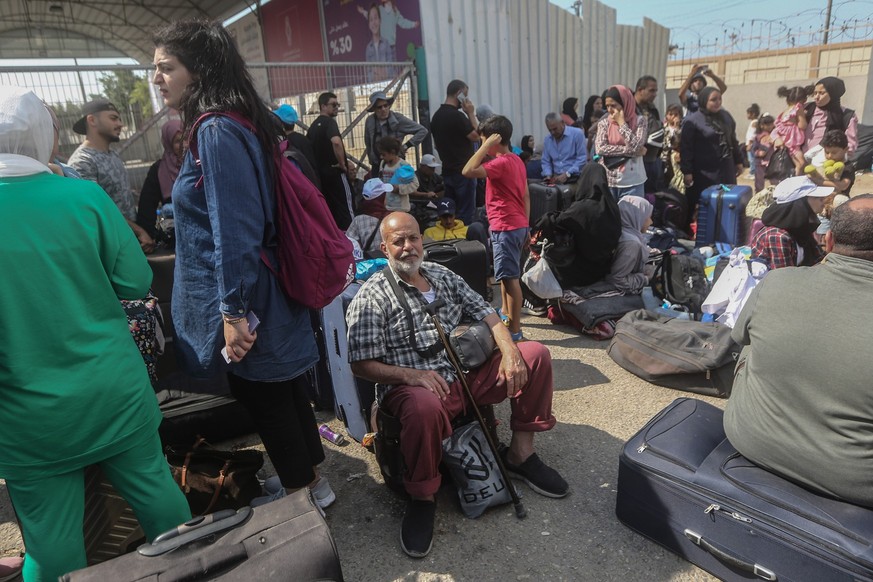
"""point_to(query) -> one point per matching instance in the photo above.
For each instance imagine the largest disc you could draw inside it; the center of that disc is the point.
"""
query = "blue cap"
(287, 114)
(403, 175)
(446, 206)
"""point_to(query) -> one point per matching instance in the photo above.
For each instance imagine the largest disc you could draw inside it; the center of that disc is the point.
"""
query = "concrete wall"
(738, 97)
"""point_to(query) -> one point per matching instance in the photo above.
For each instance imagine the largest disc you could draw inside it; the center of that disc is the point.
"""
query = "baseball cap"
(374, 187)
(445, 206)
(430, 161)
(796, 187)
(90, 108)
(287, 114)
(378, 96)
(403, 175)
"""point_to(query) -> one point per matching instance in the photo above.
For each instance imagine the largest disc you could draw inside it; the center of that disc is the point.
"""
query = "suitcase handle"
(730, 559)
(215, 561)
(194, 530)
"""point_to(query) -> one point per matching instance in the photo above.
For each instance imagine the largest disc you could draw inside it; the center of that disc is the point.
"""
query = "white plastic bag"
(541, 281)
(733, 287)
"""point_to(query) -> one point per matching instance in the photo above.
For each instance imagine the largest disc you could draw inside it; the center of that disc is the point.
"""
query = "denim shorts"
(507, 246)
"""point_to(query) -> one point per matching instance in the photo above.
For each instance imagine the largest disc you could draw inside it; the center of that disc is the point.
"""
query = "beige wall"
(755, 77)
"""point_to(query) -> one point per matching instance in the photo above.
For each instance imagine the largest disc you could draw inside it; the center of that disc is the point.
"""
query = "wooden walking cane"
(431, 309)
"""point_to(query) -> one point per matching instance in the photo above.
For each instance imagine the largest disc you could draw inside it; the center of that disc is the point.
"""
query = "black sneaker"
(538, 476)
(416, 529)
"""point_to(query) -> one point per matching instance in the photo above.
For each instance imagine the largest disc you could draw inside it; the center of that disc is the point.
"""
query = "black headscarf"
(568, 108)
(718, 121)
(800, 221)
(836, 89)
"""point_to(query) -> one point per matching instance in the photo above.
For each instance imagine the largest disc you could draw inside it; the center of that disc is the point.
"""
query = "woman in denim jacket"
(225, 210)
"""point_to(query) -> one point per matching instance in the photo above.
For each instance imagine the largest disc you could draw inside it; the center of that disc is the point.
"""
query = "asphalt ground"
(598, 406)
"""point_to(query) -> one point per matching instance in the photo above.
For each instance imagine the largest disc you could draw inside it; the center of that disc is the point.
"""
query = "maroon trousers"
(426, 420)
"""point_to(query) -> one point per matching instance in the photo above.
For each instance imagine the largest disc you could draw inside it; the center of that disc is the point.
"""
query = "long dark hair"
(220, 79)
(588, 112)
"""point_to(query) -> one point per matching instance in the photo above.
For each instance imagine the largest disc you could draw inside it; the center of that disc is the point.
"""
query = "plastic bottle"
(331, 436)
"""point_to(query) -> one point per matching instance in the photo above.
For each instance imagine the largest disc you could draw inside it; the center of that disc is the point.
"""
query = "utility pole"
(828, 21)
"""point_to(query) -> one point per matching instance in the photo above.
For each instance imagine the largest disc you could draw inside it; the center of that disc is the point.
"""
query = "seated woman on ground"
(627, 272)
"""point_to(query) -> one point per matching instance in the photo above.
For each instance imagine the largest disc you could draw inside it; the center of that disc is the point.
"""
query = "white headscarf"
(26, 133)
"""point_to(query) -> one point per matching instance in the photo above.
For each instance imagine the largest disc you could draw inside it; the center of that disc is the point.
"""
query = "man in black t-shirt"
(454, 132)
(330, 156)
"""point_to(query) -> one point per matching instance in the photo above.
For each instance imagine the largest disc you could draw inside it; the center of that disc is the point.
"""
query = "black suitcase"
(545, 198)
(684, 486)
(287, 539)
(467, 258)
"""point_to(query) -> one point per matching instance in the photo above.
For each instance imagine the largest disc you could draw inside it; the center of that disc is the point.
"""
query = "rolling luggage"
(467, 258)
(347, 402)
(215, 417)
(287, 539)
(721, 216)
(684, 486)
(546, 198)
(686, 355)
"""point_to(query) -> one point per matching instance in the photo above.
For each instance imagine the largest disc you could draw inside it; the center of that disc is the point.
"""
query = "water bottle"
(167, 210)
(331, 436)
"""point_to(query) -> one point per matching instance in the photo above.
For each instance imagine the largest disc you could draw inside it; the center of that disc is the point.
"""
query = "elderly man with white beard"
(416, 383)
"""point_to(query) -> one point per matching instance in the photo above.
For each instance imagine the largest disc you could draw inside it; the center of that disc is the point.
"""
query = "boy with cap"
(448, 227)
(430, 184)
(101, 125)
(289, 118)
(507, 203)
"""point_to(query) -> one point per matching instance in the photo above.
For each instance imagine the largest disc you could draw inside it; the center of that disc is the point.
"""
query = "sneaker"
(518, 337)
(265, 499)
(416, 529)
(538, 476)
(10, 568)
(528, 308)
(503, 317)
(321, 493)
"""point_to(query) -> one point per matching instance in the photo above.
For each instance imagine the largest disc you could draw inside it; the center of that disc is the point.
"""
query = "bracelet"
(233, 320)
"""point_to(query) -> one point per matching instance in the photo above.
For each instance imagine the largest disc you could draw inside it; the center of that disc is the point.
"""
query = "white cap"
(374, 187)
(429, 160)
(791, 189)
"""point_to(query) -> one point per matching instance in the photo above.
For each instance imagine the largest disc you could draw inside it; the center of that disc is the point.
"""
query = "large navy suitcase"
(722, 215)
(683, 485)
(287, 539)
(467, 258)
(545, 198)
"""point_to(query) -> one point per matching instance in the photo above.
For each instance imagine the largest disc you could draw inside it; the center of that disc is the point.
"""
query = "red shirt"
(505, 190)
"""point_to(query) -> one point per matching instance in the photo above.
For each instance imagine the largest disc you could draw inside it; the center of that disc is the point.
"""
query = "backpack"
(681, 280)
(315, 261)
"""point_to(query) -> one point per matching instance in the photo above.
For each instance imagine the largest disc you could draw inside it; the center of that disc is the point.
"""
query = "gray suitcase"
(287, 539)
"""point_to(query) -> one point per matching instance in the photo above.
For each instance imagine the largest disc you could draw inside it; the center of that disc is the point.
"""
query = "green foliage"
(129, 92)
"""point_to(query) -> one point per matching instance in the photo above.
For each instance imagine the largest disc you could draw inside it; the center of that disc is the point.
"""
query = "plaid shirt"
(378, 329)
(775, 246)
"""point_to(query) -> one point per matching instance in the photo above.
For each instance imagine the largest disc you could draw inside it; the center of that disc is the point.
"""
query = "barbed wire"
(767, 35)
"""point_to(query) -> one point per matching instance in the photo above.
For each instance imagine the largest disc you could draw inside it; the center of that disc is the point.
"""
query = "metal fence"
(67, 88)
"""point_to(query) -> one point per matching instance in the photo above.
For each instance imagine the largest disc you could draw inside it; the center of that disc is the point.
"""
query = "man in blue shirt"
(564, 151)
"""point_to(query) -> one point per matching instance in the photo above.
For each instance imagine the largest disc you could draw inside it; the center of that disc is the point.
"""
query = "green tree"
(129, 92)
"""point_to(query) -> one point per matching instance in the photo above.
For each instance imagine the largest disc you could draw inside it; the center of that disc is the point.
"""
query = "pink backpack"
(315, 261)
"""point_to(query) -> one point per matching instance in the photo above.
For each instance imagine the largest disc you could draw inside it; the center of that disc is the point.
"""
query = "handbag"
(473, 344)
(541, 280)
(474, 470)
(212, 479)
(145, 321)
(781, 165)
